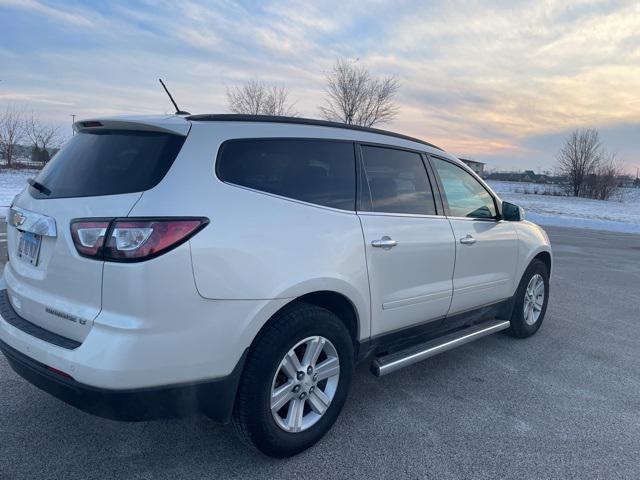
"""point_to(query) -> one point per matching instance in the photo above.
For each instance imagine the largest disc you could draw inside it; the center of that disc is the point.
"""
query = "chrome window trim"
(476, 219)
(394, 214)
(33, 222)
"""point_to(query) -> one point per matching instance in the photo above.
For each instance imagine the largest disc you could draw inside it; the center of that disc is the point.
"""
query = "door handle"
(385, 242)
(468, 240)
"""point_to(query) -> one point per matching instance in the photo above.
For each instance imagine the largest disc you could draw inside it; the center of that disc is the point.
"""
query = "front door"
(486, 247)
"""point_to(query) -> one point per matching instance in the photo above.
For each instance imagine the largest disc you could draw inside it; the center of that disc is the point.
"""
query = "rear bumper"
(214, 398)
(198, 340)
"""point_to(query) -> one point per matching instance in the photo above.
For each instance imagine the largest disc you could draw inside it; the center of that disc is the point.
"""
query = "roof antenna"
(178, 111)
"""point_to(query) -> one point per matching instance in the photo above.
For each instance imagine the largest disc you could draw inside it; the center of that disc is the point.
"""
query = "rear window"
(398, 182)
(314, 171)
(109, 162)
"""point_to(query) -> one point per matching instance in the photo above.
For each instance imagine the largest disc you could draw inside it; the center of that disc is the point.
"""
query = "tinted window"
(465, 195)
(314, 171)
(109, 162)
(397, 182)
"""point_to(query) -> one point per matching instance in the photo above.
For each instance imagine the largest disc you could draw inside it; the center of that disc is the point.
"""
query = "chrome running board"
(397, 360)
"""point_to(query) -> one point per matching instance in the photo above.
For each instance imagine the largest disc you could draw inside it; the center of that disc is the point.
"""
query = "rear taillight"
(132, 240)
(135, 240)
(88, 236)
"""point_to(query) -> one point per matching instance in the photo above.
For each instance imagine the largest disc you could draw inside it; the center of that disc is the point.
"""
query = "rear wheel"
(295, 381)
(531, 301)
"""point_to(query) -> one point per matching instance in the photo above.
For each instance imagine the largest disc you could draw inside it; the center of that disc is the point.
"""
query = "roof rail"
(236, 117)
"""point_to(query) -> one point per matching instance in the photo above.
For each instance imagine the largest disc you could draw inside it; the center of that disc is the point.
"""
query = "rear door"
(100, 173)
(486, 247)
(410, 248)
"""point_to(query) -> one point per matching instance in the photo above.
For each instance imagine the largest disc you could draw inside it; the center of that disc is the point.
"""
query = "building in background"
(477, 167)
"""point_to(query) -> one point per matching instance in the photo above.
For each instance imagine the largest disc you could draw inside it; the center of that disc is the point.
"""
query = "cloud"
(509, 73)
(16, 97)
(486, 79)
(53, 13)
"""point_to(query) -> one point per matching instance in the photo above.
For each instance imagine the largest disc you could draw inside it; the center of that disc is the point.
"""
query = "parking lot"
(562, 404)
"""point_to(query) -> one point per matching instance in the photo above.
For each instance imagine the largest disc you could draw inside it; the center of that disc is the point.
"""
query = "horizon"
(499, 83)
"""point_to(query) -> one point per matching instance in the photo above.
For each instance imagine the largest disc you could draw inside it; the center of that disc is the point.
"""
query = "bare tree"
(11, 132)
(257, 98)
(603, 183)
(355, 97)
(591, 171)
(43, 138)
(277, 103)
(579, 157)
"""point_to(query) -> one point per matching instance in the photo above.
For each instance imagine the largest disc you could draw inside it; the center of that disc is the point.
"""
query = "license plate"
(29, 247)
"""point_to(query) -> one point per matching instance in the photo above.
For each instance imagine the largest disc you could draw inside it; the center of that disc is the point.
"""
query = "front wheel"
(295, 381)
(531, 301)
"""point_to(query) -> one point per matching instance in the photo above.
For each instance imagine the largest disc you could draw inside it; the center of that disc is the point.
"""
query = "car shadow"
(42, 435)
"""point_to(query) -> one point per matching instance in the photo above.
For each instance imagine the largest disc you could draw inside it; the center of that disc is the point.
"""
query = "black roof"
(235, 117)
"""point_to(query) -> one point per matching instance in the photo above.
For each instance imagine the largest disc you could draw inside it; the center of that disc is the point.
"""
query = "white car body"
(189, 315)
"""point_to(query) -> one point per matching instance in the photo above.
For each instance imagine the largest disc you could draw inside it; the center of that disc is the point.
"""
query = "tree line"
(17, 127)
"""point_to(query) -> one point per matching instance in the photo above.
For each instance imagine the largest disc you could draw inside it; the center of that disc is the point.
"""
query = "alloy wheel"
(304, 384)
(533, 299)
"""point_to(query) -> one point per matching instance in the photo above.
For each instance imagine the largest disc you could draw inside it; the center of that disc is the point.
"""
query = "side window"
(465, 195)
(314, 171)
(397, 181)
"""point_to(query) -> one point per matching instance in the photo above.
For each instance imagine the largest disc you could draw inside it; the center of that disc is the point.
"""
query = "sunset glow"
(502, 82)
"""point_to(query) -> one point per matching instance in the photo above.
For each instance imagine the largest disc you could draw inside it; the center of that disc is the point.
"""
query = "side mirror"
(511, 212)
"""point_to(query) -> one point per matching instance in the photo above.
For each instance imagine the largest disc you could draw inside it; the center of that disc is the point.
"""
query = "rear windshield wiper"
(38, 186)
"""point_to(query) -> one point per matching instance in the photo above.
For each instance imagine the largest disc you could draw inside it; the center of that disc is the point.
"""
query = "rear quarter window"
(314, 171)
(109, 162)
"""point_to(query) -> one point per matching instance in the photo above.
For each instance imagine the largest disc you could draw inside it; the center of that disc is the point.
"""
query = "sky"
(501, 81)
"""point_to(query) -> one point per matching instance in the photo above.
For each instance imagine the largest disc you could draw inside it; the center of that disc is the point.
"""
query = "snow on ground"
(11, 183)
(620, 215)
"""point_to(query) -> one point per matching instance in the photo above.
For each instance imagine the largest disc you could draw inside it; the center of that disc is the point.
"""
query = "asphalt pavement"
(562, 404)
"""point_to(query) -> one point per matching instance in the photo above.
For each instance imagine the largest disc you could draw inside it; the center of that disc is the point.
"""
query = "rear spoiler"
(167, 124)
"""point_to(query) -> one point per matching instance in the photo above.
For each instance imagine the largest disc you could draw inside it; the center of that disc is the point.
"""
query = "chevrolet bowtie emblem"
(17, 219)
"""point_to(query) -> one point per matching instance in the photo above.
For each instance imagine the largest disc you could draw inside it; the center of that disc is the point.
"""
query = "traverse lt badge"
(66, 316)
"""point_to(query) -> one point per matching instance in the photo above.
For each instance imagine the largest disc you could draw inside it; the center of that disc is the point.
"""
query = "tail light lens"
(132, 240)
(88, 236)
(136, 240)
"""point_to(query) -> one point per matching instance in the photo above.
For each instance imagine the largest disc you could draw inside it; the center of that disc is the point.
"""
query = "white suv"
(241, 265)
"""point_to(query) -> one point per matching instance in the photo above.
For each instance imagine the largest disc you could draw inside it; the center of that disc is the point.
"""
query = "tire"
(522, 325)
(265, 373)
